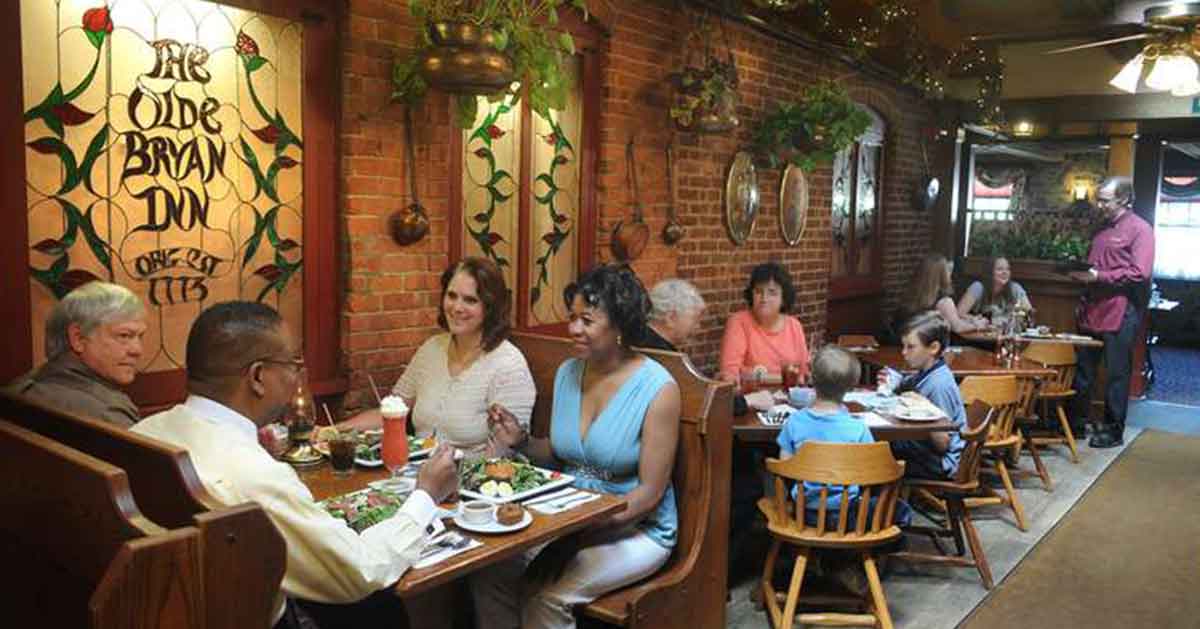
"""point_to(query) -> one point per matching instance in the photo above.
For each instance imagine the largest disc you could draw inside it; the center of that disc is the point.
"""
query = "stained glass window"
(856, 185)
(164, 153)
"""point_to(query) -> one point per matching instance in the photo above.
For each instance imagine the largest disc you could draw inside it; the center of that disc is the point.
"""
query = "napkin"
(445, 554)
(550, 508)
(872, 419)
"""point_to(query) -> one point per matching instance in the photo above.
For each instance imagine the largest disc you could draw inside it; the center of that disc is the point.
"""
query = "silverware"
(558, 495)
(563, 505)
(449, 541)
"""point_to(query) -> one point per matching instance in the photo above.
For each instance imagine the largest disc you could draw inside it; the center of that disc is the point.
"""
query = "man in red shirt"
(1121, 259)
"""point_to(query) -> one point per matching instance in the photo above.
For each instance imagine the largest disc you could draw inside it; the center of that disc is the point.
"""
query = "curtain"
(1000, 177)
(1184, 191)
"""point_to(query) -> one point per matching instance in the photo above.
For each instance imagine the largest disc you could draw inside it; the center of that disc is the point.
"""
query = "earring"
(620, 341)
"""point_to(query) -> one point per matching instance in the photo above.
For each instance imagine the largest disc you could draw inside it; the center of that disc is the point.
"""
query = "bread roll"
(509, 514)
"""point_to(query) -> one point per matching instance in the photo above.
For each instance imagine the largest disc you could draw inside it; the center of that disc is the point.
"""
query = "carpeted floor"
(1175, 371)
(1125, 556)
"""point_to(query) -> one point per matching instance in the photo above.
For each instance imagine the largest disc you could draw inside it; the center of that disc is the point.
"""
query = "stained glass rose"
(97, 20)
(246, 45)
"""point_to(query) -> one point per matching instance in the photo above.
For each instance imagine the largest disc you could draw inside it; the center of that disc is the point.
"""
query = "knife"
(562, 493)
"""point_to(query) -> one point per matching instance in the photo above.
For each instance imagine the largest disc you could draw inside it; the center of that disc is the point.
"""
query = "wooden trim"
(323, 284)
(16, 310)
(455, 202)
(525, 215)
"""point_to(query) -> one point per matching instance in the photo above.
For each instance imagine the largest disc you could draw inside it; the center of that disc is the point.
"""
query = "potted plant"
(497, 48)
(811, 132)
(706, 88)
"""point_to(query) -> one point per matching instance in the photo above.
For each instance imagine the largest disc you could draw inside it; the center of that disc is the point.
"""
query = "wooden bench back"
(244, 555)
(79, 552)
(690, 590)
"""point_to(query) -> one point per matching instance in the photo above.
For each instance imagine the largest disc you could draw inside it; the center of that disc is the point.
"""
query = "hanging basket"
(464, 59)
(706, 97)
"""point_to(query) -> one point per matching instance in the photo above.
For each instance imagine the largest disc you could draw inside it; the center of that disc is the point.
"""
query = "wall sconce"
(1023, 128)
(1081, 189)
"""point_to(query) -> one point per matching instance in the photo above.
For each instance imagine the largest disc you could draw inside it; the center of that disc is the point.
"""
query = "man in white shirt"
(243, 368)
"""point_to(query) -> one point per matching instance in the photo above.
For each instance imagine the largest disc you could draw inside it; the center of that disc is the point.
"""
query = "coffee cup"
(478, 512)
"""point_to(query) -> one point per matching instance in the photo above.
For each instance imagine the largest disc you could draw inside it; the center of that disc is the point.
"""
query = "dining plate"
(554, 480)
(916, 414)
(493, 526)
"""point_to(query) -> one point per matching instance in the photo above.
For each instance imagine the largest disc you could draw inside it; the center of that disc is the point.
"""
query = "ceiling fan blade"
(1081, 32)
(1097, 44)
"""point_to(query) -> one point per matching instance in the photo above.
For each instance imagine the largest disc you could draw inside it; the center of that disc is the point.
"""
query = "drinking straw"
(374, 389)
(328, 415)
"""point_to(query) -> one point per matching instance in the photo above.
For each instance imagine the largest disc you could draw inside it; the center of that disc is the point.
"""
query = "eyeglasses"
(297, 364)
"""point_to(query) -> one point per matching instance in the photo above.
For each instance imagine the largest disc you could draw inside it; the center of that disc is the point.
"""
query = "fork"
(570, 501)
(449, 541)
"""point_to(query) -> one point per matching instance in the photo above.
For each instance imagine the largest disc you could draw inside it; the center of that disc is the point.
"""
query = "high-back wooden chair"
(79, 551)
(1056, 391)
(953, 494)
(689, 591)
(1003, 394)
(860, 526)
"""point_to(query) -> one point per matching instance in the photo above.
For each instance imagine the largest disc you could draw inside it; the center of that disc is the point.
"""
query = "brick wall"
(392, 292)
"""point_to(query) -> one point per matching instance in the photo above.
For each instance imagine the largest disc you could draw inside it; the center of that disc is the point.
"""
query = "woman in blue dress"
(615, 427)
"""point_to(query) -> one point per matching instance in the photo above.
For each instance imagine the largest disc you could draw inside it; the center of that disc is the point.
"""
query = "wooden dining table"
(963, 361)
(495, 547)
(750, 430)
(989, 338)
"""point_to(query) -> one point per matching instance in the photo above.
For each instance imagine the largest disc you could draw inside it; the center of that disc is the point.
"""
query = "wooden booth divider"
(239, 555)
(689, 592)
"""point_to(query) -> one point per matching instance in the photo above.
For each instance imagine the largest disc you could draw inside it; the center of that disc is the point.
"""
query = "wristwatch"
(1094, 273)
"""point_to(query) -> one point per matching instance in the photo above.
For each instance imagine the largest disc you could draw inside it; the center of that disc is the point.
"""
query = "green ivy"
(810, 132)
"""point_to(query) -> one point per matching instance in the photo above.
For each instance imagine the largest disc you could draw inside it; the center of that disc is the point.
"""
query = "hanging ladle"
(409, 226)
(629, 239)
(672, 232)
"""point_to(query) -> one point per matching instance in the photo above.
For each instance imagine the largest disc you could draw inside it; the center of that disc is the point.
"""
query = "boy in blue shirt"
(834, 372)
(924, 337)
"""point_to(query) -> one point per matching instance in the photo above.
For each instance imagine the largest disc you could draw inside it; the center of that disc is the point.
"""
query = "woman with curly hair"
(765, 337)
(615, 427)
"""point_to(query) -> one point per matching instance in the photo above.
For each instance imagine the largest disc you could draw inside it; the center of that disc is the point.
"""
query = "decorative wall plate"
(793, 204)
(741, 197)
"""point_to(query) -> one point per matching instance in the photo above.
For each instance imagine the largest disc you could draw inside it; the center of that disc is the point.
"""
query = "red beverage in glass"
(395, 442)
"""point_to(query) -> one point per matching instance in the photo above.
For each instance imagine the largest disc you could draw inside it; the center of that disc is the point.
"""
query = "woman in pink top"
(765, 338)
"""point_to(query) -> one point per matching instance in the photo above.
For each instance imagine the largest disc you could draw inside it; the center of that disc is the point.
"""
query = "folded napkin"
(552, 507)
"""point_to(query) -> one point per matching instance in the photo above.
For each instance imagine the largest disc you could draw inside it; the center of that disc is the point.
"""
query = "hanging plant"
(811, 132)
(494, 48)
(706, 88)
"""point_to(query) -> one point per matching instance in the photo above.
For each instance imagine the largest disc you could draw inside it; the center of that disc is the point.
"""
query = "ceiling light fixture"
(1173, 69)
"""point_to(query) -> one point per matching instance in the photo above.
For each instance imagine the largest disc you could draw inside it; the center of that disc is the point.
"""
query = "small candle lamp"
(300, 429)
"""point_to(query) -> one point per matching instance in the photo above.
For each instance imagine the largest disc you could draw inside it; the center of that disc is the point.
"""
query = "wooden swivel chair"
(859, 527)
(953, 493)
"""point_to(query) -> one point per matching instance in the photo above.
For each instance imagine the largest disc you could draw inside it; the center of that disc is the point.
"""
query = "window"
(857, 178)
(991, 204)
(520, 191)
(1177, 228)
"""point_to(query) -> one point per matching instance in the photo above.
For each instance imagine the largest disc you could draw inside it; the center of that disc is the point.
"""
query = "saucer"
(493, 526)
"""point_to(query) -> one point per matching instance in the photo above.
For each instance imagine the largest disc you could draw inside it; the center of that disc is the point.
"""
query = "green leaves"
(812, 131)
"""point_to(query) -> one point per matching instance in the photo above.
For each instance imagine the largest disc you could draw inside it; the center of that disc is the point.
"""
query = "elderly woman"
(676, 309)
(456, 376)
(764, 338)
(93, 347)
(931, 290)
(614, 426)
(997, 300)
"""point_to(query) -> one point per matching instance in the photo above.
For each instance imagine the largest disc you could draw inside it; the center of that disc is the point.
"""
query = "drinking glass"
(341, 452)
(395, 442)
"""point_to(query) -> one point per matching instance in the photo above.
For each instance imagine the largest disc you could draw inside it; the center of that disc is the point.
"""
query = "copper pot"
(464, 59)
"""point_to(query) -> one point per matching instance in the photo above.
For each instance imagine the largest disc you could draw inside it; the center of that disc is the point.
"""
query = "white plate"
(395, 485)
(493, 526)
(916, 414)
(562, 481)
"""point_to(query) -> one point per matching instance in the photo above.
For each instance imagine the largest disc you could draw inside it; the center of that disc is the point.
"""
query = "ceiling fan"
(1172, 35)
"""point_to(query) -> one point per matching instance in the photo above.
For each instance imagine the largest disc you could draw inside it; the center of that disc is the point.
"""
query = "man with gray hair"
(93, 346)
(676, 310)
(1121, 260)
